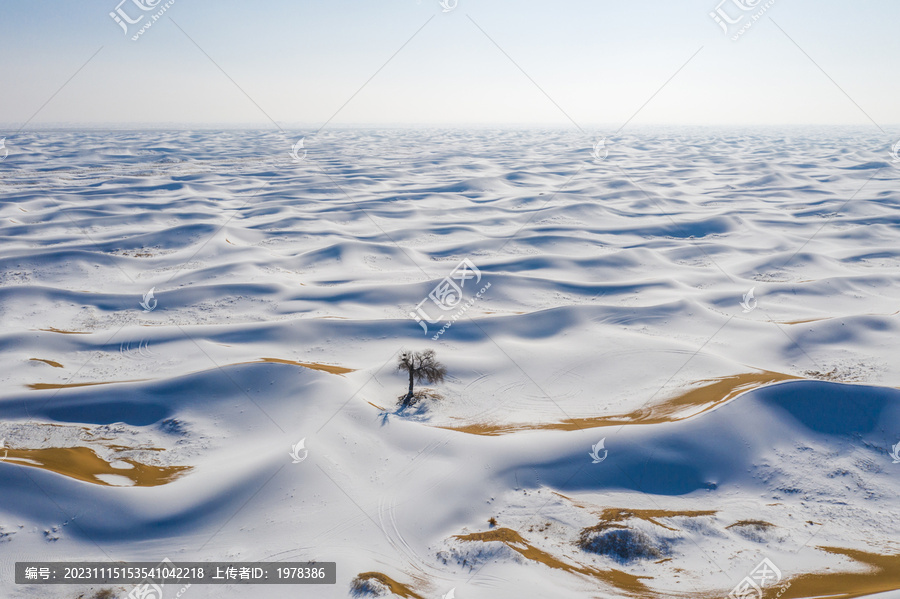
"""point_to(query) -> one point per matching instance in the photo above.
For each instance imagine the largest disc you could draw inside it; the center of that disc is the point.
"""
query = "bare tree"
(422, 367)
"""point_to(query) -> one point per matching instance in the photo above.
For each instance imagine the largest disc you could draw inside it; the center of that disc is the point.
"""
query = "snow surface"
(615, 285)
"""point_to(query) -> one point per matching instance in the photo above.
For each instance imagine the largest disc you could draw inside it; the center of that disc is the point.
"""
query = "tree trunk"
(409, 394)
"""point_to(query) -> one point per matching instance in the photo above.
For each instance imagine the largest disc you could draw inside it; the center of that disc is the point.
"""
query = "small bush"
(419, 396)
(623, 545)
(757, 531)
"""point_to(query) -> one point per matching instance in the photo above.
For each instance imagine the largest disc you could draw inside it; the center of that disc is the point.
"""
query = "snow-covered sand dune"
(282, 293)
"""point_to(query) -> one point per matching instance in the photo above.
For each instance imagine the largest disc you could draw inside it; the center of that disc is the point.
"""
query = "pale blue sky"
(599, 60)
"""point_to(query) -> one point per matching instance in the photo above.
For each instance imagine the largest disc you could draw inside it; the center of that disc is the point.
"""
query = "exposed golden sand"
(397, 588)
(125, 447)
(50, 362)
(313, 365)
(616, 515)
(621, 580)
(339, 370)
(52, 330)
(710, 393)
(83, 463)
(40, 386)
(754, 523)
(882, 575)
(804, 321)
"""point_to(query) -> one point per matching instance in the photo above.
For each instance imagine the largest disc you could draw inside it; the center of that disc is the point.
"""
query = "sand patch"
(50, 362)
(397, 588)
(881, 576)
(615, 516)
(312, 365)
(709, 394)
(83, 463)
(42, 386)
(329, 368)
(63, 332)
